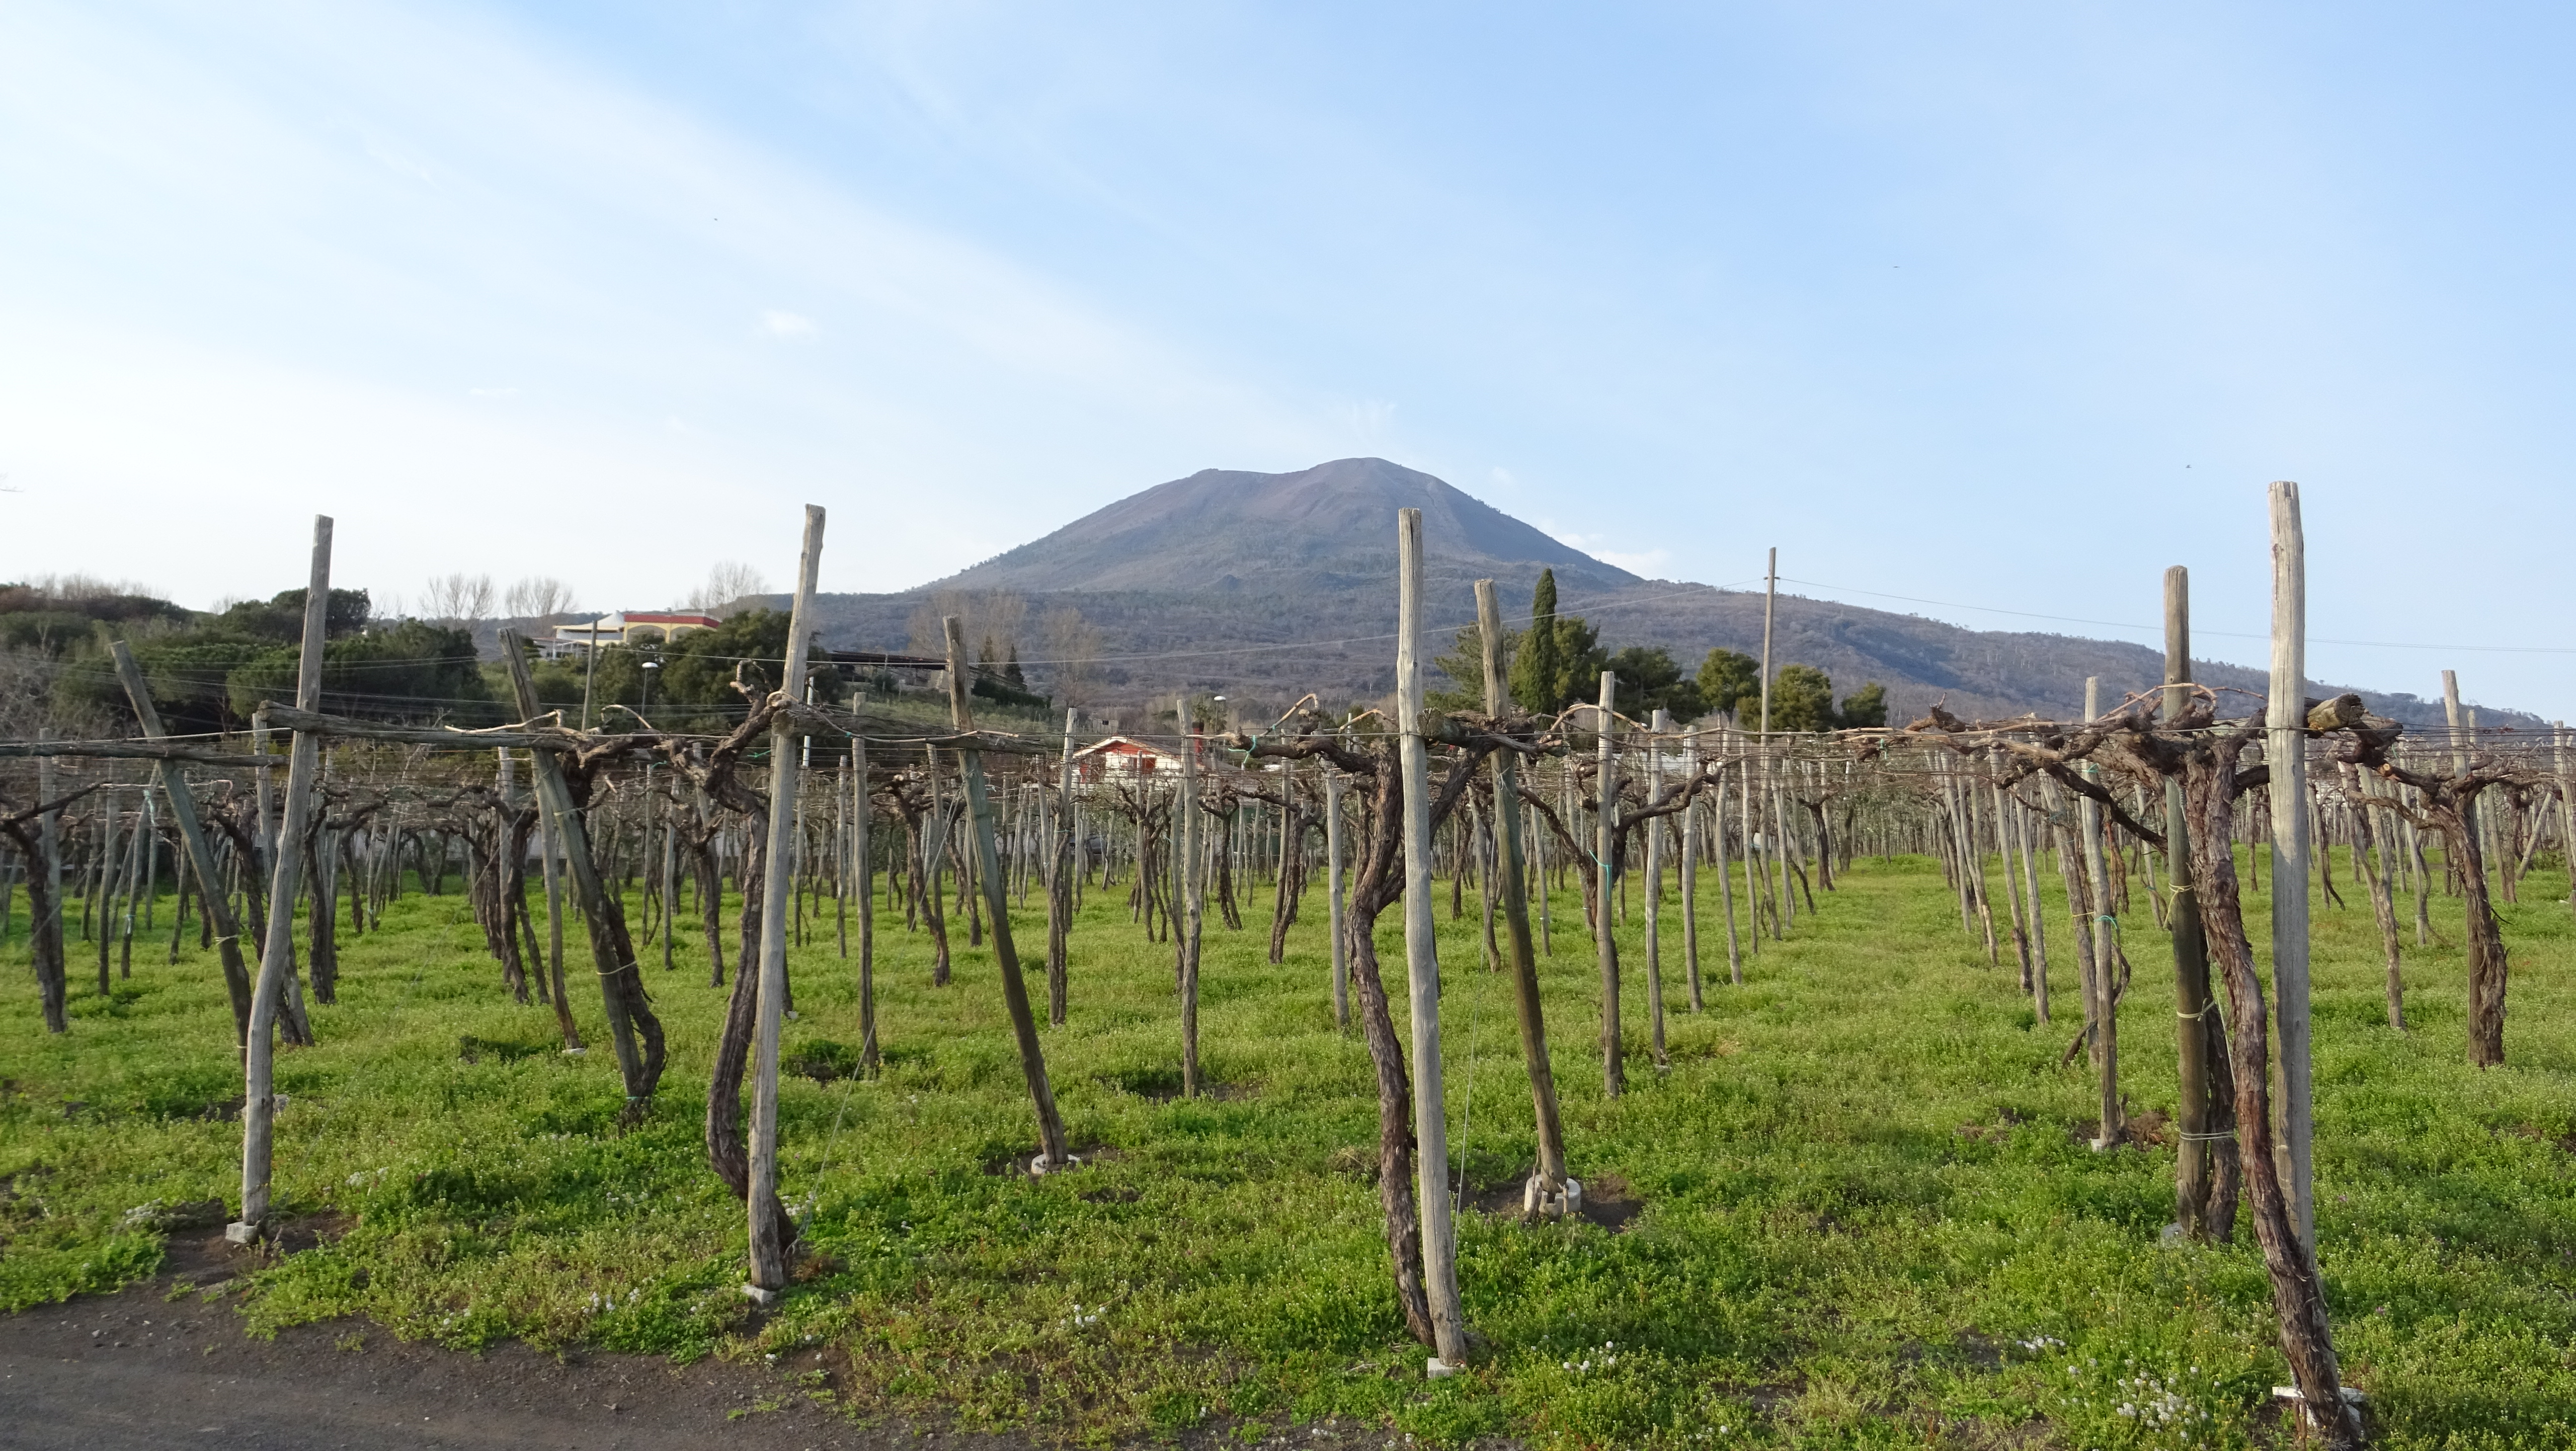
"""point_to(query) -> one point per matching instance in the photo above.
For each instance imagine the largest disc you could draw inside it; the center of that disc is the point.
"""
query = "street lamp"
(650, 666)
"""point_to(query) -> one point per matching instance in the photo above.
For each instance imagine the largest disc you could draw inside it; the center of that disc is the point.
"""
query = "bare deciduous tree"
(1073, 653)
(727, 583)
(538, 597)
(457, 598)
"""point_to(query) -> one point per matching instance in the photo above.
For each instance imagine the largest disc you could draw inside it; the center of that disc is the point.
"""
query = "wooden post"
(1333, 898)
(1690, 884)
(192, 836)
(1015, 992)
(1548, 1194)
(259, 1102)
(670, 877)
(1422, 962)
(2285, 748)
(2197, 1108)
(45, 919)
(1605, 945)
(862, 812)
(107, 882)
(1060, 882)
(768, 1255)
(1659, 725)
(2014, 894)
(1770, 598)
(1193, 886)
(2106, 977)
(2005, 832)
(1725, 883)
(2566, 805)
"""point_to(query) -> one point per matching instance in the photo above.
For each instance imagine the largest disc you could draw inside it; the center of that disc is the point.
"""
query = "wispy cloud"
(780, 324)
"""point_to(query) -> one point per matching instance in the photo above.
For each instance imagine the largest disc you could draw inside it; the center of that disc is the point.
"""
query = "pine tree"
(1011, 668)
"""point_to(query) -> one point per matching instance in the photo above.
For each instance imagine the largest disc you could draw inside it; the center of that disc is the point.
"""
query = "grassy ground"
(1868, 1213)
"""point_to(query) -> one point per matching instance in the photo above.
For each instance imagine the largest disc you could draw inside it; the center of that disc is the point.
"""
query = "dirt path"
(137, 1370)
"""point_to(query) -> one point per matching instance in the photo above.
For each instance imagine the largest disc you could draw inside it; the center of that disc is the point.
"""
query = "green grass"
(1869, 1216)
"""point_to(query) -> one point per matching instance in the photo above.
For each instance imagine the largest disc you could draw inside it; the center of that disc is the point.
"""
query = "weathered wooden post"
(192, 836)
(1193, 888)
(1549, 1194)
(1422, 962)
(45, 917)
(1333, 897)
(1060, 882)
(2198, 1107)
(862, 812)
(1605, 946)
(1015, 992)
(259, 1102)
(2106, 978)
(1660, 724)
(2566, 805)
(1725, 883)
(2285, 749)
(1690, 883)
(768, 1254)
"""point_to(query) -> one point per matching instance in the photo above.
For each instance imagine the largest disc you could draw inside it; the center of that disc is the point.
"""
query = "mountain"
(1265, 587)
(1328, 527)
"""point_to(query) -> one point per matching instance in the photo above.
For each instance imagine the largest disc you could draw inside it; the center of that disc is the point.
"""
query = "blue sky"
(1992, 305)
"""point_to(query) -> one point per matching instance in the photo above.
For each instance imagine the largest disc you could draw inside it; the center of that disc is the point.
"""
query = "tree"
(1802, 699)
(1012, 673)
(1465, 667)
(458, 599)
(1732, 683)
(538, 597)
(1535, 669)
(727, 583)
(1866, 706)
(1559, 660)
(1649, 681)
(1075, 644)
(700, 667)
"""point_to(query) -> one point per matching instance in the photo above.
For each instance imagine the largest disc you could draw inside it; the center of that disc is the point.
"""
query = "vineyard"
(2143, 1078)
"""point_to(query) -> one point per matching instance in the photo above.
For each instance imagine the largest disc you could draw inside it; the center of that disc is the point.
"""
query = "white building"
(626, 627)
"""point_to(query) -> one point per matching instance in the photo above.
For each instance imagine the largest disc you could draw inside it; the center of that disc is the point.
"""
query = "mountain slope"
(1268, 586)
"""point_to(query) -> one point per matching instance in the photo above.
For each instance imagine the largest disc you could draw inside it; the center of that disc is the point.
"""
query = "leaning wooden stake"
(192, 836)
(1015, 992)
(1549, 1194)
(1422, 962)
(2285, 748)
(768, 1252)
(259, 1102)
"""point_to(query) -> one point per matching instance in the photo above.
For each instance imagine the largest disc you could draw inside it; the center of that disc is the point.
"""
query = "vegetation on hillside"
(1557, 662)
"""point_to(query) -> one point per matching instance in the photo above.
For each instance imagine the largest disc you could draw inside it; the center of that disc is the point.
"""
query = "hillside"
(1266, 586)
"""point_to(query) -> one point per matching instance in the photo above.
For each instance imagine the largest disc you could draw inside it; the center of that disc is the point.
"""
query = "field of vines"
(1859, 1207)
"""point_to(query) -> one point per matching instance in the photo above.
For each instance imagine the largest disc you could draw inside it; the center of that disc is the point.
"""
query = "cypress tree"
(1538, 675)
